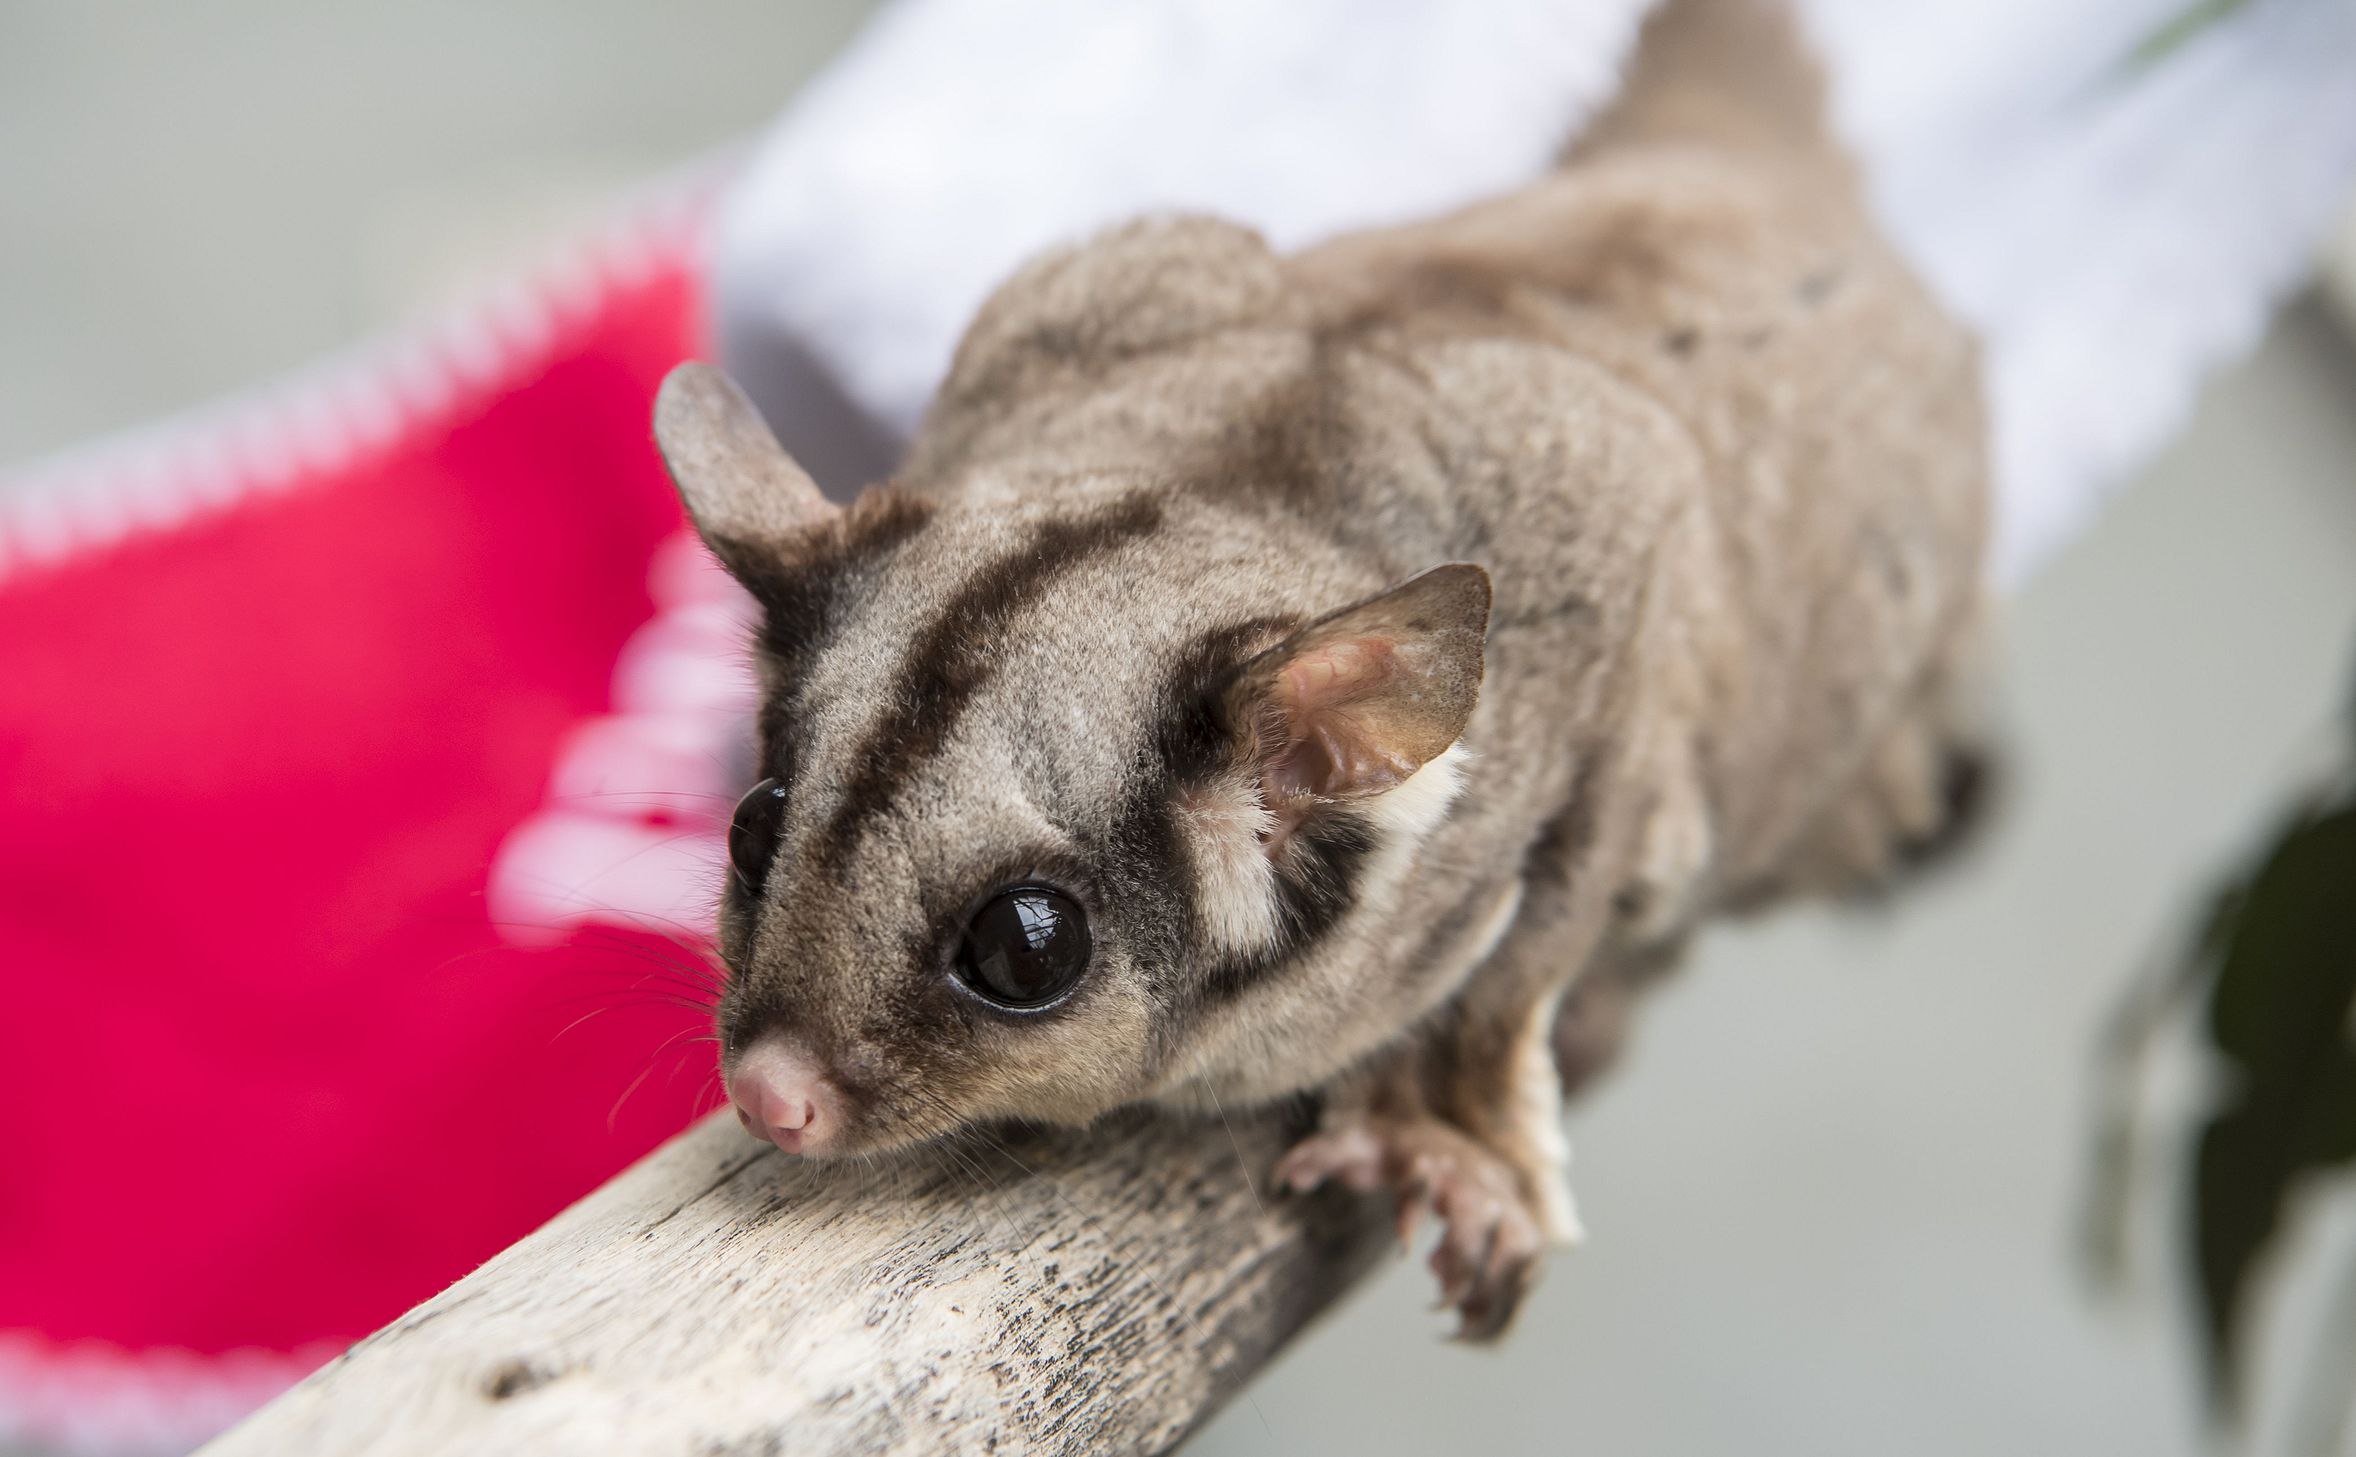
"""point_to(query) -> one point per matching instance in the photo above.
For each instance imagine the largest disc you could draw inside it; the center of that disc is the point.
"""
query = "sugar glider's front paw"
(1493, 1231)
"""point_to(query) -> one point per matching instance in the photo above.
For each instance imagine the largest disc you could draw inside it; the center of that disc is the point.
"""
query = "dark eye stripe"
(801, 591)
(1318, 881)
(952, 659)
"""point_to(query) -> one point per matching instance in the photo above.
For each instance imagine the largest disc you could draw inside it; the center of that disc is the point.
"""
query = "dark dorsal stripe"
(951, 660)
(801, 592)
(803, 596)
(802, 587)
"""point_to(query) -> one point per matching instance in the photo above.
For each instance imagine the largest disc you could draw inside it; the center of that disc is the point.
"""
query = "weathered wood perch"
(1037, 1292)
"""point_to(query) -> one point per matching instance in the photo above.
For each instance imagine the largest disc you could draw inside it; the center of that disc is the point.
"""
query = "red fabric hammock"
(282, 1054)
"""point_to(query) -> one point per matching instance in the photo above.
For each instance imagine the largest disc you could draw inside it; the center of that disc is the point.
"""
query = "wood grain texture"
(1034, 1293)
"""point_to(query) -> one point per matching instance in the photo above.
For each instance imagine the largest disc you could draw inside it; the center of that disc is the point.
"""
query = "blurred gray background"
(195, 197)
(1833, 1194)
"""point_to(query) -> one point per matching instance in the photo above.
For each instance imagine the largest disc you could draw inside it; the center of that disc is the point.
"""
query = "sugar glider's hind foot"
(1925, 804)
(1493, 1236)
(1971, 786)
(1918, 803)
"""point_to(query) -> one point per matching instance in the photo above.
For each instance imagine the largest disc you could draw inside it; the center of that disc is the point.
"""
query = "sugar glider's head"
(1034, 819)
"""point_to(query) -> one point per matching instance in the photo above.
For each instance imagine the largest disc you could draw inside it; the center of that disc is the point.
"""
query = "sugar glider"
(1350, 672)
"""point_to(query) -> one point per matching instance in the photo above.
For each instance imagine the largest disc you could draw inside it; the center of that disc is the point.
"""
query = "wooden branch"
(1046, 1293)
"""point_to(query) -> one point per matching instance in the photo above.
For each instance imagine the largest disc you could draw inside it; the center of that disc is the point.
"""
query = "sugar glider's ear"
(747, 497)
(1356, 702)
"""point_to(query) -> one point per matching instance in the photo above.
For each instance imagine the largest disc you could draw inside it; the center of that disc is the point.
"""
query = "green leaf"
(2238, 1192)
(2155, 1000)
(2327, 1124)
(2279, 1014)
(2287, 976)
(2180, 28)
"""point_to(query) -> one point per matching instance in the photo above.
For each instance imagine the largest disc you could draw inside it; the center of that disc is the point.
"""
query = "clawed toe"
(1354, 1156)
(1488, 1252)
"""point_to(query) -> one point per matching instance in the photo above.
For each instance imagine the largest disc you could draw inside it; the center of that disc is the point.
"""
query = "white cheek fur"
(1404, 816)
(1415, 808)
(1228, 824)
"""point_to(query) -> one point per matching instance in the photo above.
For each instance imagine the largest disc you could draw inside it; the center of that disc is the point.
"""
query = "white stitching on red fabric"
(633, 830)
(96, 1397)
(333, 415)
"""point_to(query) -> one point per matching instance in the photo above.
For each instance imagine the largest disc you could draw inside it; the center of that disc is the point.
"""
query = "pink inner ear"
(1328, 752)
(1333, 673)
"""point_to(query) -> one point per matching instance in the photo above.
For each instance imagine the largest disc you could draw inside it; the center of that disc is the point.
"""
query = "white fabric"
(2114, 230)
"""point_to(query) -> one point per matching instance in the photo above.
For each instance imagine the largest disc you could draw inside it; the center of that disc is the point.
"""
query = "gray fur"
(1721, 459)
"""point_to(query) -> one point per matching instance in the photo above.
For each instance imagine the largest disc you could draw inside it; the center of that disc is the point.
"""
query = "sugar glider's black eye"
(1025, 946)
(752, 834)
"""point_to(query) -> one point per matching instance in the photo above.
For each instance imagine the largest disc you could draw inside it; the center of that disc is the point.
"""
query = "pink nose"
(782, 1096)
